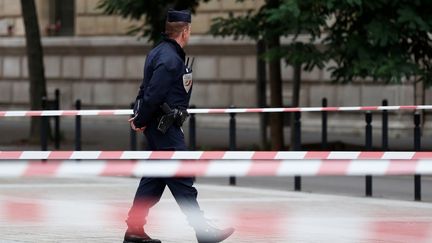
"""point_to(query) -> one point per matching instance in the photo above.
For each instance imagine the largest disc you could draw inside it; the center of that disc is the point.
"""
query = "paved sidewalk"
(93, 209)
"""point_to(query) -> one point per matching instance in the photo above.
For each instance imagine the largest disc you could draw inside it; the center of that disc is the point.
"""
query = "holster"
(170, 117)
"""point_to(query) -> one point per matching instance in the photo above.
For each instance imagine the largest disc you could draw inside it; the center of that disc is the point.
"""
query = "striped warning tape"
(214, 168)
(209, 111)
(209, 155)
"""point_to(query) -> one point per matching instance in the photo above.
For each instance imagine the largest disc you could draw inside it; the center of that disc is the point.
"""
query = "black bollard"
(57, 120)
(133, 134)
(417, 147)
(384, 127)
(368, 147)
(44, 127)
(232, 141)
(192, 130)
(78, 127)
(297, 146)
(324, 126)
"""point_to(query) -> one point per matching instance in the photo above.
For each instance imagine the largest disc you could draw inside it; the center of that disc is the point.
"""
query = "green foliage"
(388, 40)
(280, 18)
(248, 25)
(152, 13)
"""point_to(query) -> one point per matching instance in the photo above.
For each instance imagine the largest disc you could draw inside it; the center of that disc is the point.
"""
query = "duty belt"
(171, 117)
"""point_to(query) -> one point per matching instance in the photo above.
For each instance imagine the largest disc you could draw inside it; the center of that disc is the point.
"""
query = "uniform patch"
(187, 82)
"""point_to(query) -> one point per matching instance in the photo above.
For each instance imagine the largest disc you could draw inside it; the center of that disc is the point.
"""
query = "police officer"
(160, 110)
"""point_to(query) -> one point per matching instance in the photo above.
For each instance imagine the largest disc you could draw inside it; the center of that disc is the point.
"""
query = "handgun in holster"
(170, 117)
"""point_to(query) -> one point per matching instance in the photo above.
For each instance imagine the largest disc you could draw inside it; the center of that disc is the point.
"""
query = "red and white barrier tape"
(214, 168)
(209, 111)
(209, 155)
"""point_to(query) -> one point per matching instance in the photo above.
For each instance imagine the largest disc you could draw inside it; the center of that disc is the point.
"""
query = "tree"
(387, 40)
(152, 13)
(292, 18)
(35, 61)
(384, 39)
(255, 25)
(275, 19)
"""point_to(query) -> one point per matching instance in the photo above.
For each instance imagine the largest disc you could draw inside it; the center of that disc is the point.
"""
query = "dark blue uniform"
(166, 80)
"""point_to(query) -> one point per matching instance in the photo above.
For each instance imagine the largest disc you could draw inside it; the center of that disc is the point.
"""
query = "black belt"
(171, 117)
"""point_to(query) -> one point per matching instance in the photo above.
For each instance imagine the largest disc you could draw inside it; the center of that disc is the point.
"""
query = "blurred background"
(251, 53)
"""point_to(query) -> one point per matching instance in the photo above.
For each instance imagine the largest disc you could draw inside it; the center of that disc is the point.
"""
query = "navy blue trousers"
(150, 190)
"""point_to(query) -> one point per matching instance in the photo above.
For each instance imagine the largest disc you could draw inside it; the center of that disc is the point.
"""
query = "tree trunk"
(295, 102)
(35, 62)
(276, 119)
(262, 91)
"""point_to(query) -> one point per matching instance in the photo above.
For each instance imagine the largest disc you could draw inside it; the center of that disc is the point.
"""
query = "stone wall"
(90, 21)
(105, 72)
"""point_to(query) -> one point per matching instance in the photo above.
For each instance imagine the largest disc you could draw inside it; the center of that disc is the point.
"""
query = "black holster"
(171, 117)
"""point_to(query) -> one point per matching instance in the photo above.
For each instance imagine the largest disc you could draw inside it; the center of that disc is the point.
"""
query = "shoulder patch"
(187, 82)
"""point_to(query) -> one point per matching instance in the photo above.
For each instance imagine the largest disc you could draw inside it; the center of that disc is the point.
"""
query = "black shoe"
(209, 234)
(138, 237)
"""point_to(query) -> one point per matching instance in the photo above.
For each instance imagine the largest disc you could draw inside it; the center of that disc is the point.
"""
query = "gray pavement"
(93, 210)
(112, 133)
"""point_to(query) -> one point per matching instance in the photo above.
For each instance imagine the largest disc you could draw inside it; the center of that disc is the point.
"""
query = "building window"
(62, 18)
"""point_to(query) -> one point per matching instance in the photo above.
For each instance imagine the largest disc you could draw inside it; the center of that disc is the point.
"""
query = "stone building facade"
(87, 20)
(89, 57)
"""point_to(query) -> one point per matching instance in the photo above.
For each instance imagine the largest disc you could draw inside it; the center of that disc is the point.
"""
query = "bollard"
(324, 125)
(368, 116)
(192, 130)
(384, 143)
(133, 134)
(417, 146)
(57, 120)
(78, 127)
(232, 140)
(297, 130)
(297, 146)
(43, 127)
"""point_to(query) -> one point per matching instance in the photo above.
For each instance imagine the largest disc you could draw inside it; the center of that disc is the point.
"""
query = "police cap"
(179, 16)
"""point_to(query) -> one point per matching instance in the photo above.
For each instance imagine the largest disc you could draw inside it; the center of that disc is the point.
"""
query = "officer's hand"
(141, 129)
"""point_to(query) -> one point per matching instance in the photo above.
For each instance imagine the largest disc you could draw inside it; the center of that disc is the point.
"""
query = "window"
(62, 18)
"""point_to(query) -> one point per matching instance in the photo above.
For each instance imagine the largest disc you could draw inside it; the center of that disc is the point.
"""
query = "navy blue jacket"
(163, 81)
